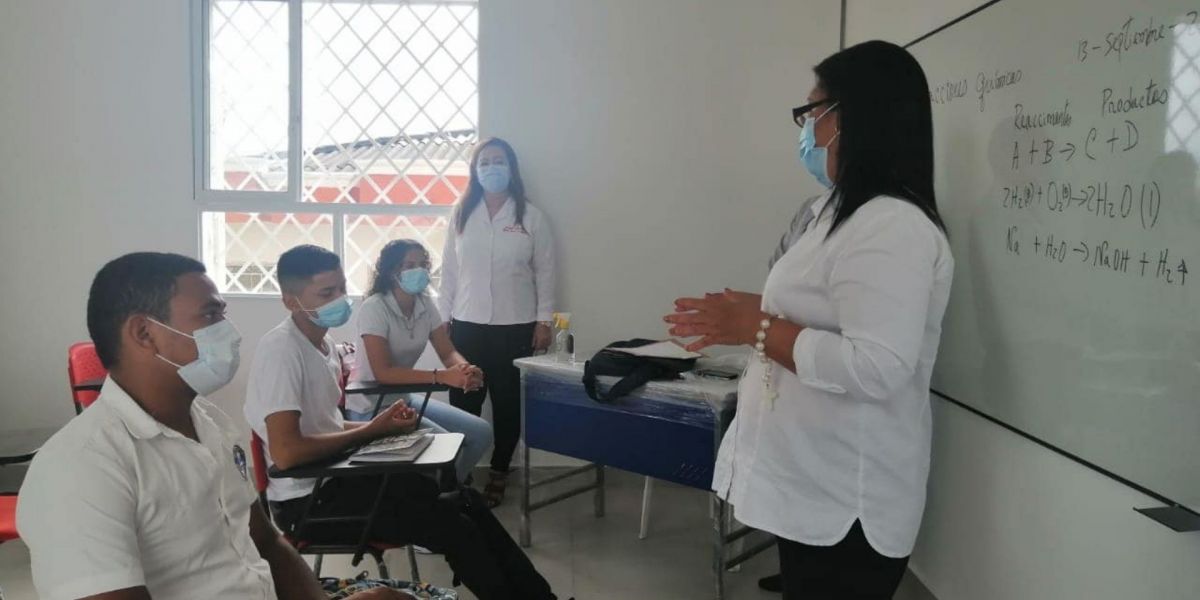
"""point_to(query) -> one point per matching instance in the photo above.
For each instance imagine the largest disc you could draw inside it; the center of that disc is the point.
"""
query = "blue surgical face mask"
(494, 178)
(217, 356)
(815, 158)
(334, 314)
(413, 281)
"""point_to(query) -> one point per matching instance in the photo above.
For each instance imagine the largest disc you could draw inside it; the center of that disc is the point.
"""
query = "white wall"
(1006, 518)
(656, 135)
(95, 161)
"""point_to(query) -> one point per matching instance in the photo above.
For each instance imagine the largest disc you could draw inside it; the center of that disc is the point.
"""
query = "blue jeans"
(443, 418)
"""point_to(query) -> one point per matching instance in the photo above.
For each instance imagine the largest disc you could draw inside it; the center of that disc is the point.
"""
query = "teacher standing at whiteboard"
(830, 447)
(498, 290)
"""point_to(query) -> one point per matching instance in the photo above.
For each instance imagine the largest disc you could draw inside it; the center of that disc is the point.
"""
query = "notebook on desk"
(400, 448)
(397, 448)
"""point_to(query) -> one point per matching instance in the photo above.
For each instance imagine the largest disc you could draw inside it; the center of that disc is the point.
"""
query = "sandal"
(493, 492)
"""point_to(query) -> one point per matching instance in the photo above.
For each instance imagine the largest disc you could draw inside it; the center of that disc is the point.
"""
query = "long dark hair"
(474, 194)
(886, 142)
(393, 254)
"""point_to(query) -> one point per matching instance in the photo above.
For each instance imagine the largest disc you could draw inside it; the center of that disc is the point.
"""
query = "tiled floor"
(580, 555)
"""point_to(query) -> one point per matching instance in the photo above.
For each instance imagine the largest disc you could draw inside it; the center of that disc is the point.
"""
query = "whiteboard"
(1067, 136)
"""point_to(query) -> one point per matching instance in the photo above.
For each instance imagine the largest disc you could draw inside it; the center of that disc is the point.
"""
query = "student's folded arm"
(881, 287)
(380, 358)
(447, 353)
(291, 448)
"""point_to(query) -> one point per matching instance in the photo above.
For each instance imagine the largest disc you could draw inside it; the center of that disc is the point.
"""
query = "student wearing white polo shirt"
(146, 494)
(396, 321)
(498, 291)
(291, 402)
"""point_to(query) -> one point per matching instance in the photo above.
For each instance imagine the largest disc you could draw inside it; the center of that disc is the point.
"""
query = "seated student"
(396, 321)
(146, 494)
(291, 402)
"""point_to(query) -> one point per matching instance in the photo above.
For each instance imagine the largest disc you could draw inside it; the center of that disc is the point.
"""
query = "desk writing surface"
(375, 387)
(441, 453)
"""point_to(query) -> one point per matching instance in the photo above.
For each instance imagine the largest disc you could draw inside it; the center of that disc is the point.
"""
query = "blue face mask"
(334, 314)
(413, 281)
(494, 178)
(813, 157)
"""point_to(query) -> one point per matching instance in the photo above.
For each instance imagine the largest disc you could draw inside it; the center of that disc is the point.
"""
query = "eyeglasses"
(798, 113)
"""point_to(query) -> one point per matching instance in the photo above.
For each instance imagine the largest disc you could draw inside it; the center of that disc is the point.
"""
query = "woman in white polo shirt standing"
(396, 321)
(498, 292)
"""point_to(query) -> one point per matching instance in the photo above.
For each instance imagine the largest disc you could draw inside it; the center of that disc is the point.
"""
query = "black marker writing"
(1058, 118)
(1115, 104)
(1157, 265)
(949, 91)
(986, 84)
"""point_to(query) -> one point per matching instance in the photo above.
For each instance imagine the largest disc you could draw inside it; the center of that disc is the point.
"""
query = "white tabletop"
(718, 393)
(443, 449)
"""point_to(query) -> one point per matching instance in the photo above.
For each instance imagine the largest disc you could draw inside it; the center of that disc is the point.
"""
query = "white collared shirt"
(117, 500)
(380, 315)
(289, 373)
(848, 437)
(497, 272)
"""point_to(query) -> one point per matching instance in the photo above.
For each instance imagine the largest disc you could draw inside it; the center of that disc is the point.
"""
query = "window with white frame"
(341, 123)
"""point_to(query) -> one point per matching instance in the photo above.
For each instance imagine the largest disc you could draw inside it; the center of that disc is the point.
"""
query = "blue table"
(667, 430)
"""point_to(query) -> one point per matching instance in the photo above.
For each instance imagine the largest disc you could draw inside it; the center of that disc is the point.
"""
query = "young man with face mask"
(292, 403)
(147, 494)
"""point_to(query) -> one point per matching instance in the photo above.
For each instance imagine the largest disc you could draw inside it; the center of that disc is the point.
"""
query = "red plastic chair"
(83, 364)
(8, 517)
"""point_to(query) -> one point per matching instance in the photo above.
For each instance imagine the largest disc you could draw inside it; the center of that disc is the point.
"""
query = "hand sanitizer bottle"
(562, 337)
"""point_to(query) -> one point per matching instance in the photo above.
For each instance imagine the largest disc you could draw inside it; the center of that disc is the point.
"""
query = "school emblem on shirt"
(239, 459)
(516, 228)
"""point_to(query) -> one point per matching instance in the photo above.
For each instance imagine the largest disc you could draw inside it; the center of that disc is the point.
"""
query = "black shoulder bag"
(634, 371)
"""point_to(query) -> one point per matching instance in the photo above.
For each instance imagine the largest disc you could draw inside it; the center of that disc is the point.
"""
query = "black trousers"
(493, 348)
(481, 553)
(848, 570)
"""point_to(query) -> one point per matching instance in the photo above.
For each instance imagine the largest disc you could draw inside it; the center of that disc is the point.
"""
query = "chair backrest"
(83, 364)
(259, 458)
(8, 517)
